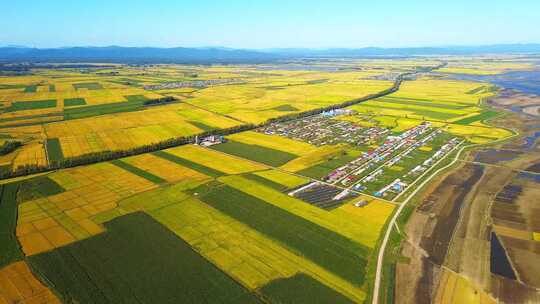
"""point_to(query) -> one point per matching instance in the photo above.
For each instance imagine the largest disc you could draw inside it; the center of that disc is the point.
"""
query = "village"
(385, 171)
(321, 130)
(390, 168)
(389, 163)
(198, 84)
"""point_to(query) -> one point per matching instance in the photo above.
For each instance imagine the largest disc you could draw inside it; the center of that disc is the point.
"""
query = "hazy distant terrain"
(228, 55)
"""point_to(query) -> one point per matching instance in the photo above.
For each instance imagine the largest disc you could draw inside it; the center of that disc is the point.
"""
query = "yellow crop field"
(512, 232)
(536, 236)
(404, 124)
(59, 219)
(480, 67)
(216, 160)
(44, 119)
(19, 285)
(362, 225)
(130, 129)
(65, 91)
(255, 103)
(33, 153)
(374, 110)
(165, 169)
(150, 200)
(454, 288)
(243, 253)
(478, 134)
(446, 91)
(405, 106)
(315, 157)
(274, 142)
(373, 217)
(472, 71)
(280, 177)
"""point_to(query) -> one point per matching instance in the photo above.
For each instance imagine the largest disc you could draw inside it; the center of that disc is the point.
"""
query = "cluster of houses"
(337, 112)
(352, 171)
(190, 84)
(390, 76)
(321, 130)
(396, 186)
(436, 156)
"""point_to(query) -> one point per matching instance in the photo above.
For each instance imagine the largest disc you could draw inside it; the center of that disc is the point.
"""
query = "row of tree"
(9, 146)
(92, 158)
(159, 101)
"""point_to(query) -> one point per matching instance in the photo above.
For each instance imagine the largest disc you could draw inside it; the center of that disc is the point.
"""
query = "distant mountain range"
(133, 55)
(416, 51)
(10, 54)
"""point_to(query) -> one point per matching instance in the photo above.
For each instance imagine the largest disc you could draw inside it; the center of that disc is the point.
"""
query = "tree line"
(9, 146)
(96, 157)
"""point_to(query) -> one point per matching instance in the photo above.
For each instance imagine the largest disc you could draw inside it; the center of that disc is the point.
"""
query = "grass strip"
(137, 260)
(138, 171)
(189, 164)
(54, 150)
(255, 153)
(301, 289)
(10, 250)
(324, 247)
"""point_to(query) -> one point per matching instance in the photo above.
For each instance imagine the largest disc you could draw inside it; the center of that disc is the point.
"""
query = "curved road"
(392, 223)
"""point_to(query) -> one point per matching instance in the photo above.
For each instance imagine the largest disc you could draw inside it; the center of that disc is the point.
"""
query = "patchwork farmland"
(263, 183)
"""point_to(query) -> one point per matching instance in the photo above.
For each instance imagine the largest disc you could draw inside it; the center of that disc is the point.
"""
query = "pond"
(500, 264)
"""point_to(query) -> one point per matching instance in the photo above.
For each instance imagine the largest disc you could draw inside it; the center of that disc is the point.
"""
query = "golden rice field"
(216, 160)
(442, 91)
(264, 94)
(255, 104)
(285, 179)
(57, 220)
(165, 169)
(19, 285)
(243, 253)
(164, 184)
(33, 153)
(454, 288)
(131, 129)
(259, 94)
(315, 157)
(273, 142)
(481, 67)
(478, 135)
(360, 224)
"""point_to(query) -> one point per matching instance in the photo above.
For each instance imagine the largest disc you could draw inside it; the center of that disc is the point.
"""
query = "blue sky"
(269, 23)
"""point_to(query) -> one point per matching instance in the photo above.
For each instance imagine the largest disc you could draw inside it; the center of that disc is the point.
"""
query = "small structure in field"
(361, 203)
(210, 140)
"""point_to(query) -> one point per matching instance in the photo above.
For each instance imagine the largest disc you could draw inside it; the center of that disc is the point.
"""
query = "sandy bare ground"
(532, 110)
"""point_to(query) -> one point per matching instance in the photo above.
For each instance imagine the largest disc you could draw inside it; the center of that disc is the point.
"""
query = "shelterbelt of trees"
(173, 142)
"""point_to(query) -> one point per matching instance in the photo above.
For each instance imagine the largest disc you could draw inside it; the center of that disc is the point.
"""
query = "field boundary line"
(499, 166)
(423, 174)
(302, 176)
(213, 112)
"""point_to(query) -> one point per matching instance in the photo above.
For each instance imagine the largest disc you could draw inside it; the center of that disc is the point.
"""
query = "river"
(523, 81)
